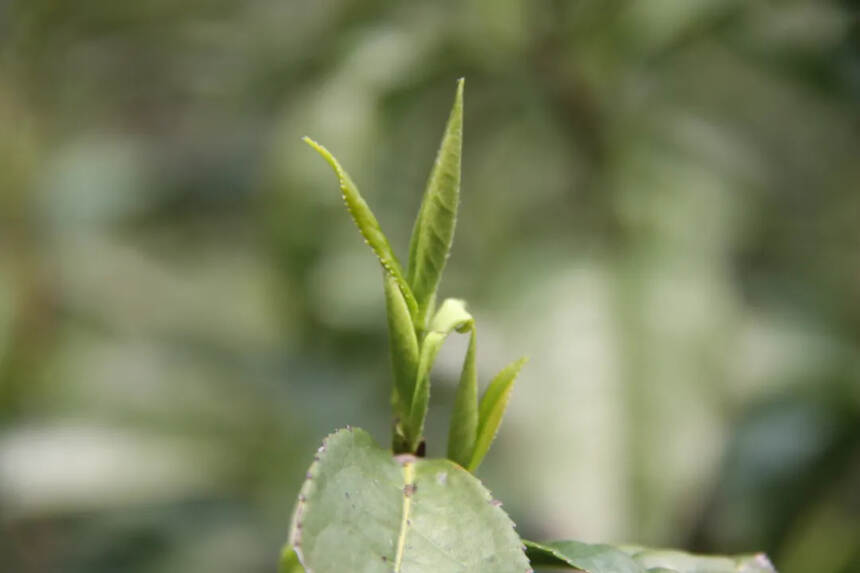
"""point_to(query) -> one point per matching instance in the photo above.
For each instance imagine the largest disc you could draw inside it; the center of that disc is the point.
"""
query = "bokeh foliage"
(660, 204)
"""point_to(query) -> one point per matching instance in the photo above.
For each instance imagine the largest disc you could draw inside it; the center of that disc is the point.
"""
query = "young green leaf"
(492, 410)
(464, 418)
(404, 346)
(362, 509)
(367, 224)
(452, 315)
(433, 232)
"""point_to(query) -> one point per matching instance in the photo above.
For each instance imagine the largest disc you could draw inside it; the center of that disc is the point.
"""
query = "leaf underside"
(363, 510)
(630, 559)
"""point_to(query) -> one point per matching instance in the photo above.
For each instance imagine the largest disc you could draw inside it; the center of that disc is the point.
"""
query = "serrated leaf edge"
(407, 462)
(367, 224)
(425, 282)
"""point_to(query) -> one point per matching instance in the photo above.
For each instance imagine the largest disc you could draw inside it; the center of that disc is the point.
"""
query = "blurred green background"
(660, 206)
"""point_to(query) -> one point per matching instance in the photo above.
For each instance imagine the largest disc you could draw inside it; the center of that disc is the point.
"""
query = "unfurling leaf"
(492, 410)
(404, 346)
(367, 225)
(452, 315)
(433, 232)
(609, 559)
(362, 509)
(464, 418)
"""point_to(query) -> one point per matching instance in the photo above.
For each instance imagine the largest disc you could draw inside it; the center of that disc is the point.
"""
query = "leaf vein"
(408, 481)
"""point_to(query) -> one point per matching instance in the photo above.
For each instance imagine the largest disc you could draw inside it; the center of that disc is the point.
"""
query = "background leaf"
(434, 228)
(361, 509)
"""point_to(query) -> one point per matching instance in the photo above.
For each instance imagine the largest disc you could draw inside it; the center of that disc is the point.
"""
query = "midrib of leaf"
(408, 482)
(406, 514)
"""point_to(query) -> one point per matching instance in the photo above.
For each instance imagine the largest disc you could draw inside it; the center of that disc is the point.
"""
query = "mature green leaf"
(367, 224)
(290, 561)
(452, 315)
(362, 509)
(492, 410)
(464, 418)
(433, 232)
(404, 346)
(608, 559)
(582, 556)
(689, 563)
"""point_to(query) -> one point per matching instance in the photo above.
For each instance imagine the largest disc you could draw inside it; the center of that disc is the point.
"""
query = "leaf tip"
(458, 98)
(325, 153)
(312, 143)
